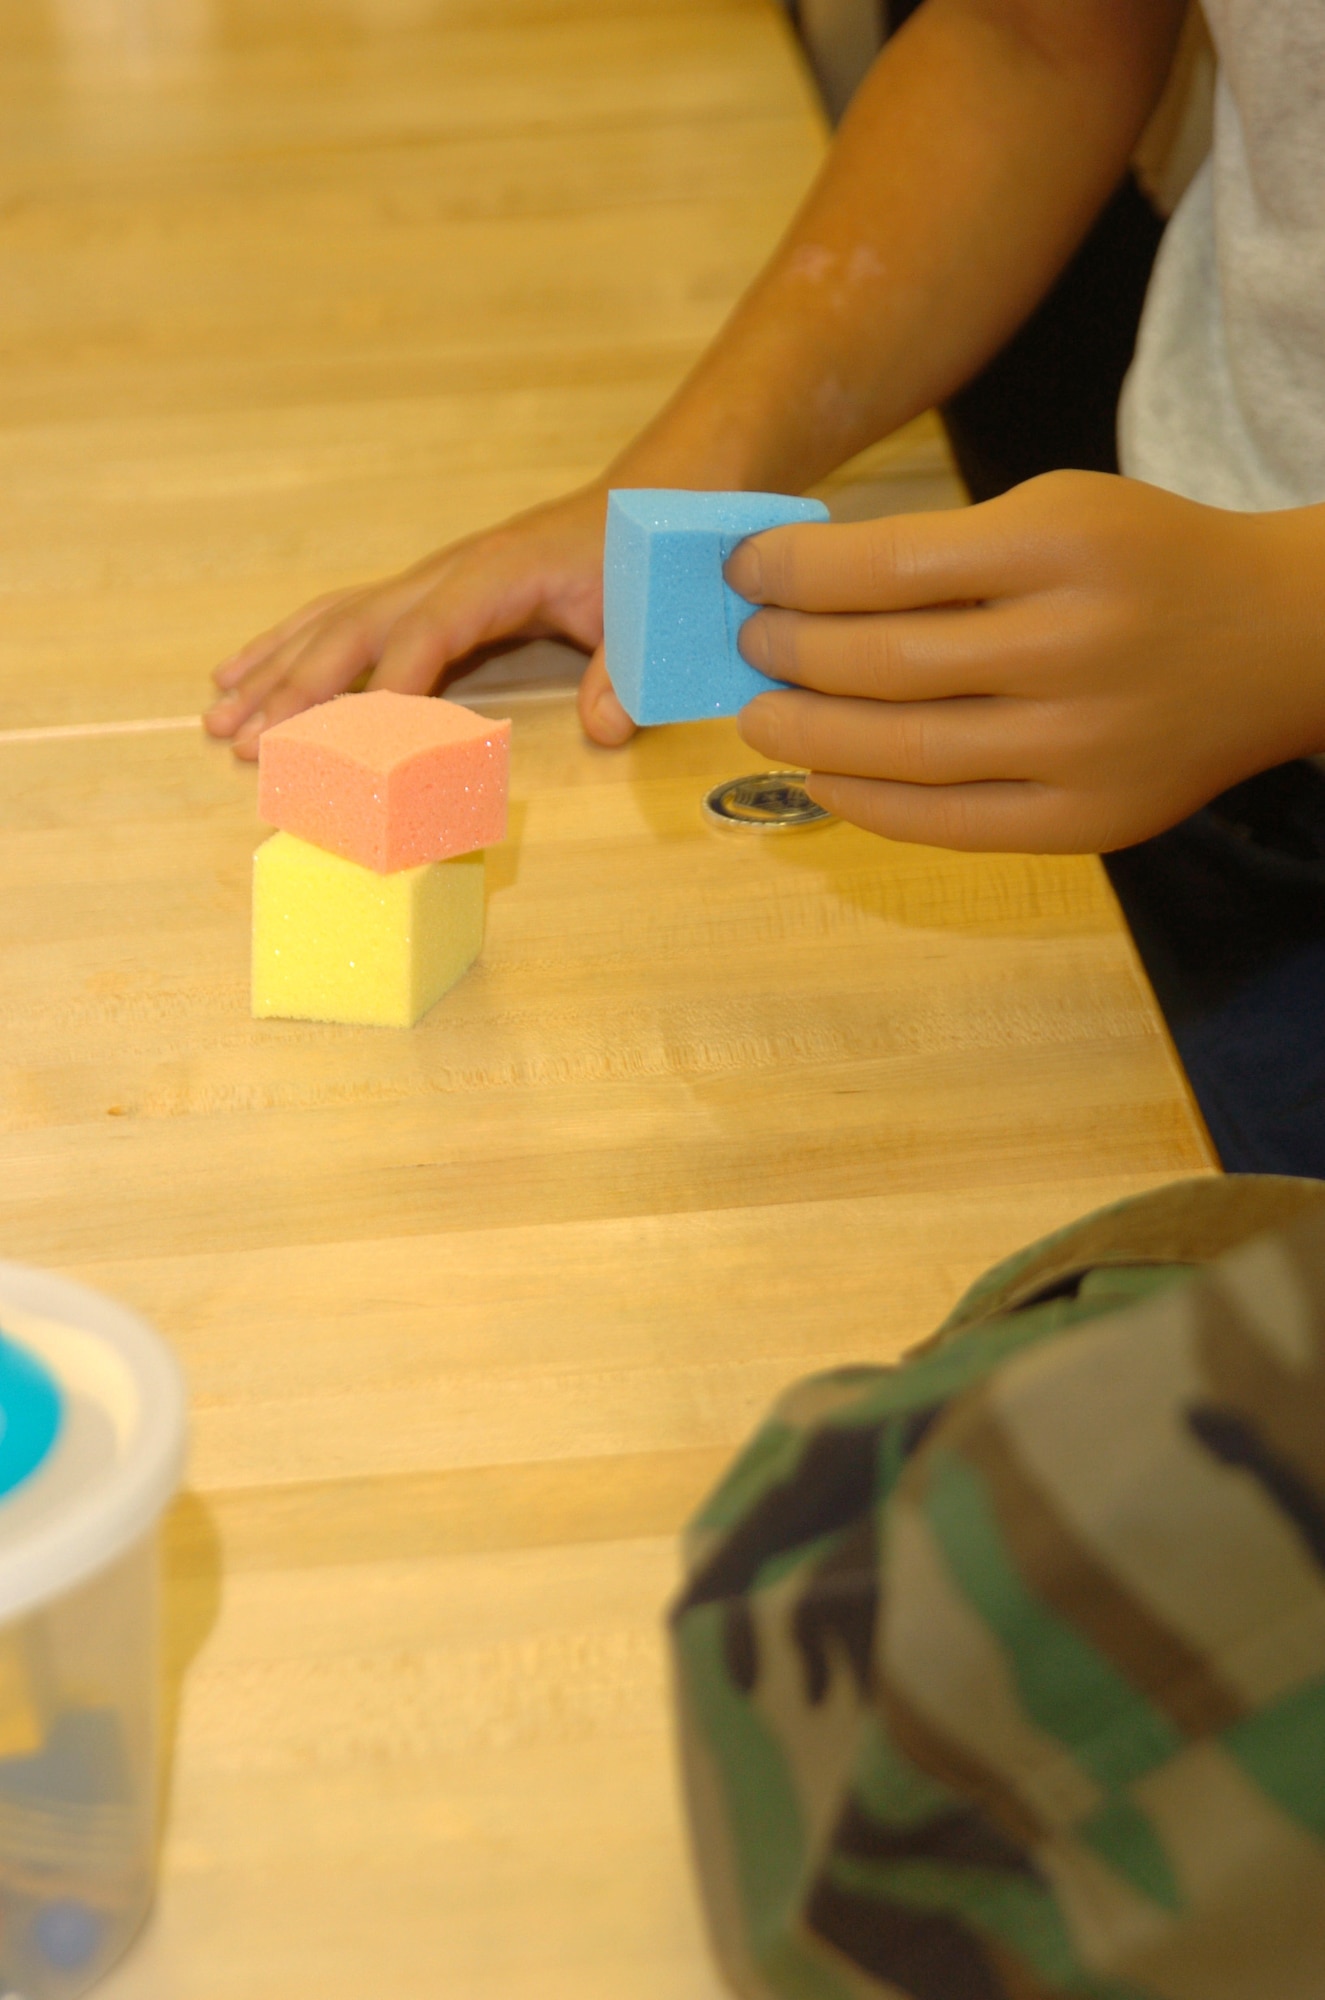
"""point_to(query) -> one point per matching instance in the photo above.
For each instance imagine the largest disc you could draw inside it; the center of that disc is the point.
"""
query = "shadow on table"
(918, 888)
(929, 888)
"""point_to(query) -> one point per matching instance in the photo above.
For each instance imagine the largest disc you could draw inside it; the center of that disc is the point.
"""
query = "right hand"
(537, 576)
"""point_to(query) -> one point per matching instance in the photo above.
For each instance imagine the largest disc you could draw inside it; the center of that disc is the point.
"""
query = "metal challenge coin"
(765, 802)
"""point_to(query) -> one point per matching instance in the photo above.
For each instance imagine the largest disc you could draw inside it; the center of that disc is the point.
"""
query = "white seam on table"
(151, 724)
(491, 696)
(144, 726)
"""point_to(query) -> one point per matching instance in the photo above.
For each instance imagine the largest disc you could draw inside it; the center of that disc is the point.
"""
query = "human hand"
(1069, 668)
(537, 576)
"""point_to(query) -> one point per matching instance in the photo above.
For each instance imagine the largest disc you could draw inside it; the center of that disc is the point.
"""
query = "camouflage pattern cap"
(1001, 1673)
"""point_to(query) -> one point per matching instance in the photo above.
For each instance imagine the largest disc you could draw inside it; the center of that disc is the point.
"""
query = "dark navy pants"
(1228, 911)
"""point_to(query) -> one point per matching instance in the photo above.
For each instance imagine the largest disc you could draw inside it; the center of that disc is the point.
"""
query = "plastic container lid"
(94, 1435)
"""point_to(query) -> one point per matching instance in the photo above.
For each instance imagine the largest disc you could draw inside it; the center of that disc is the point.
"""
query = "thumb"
(602, 717)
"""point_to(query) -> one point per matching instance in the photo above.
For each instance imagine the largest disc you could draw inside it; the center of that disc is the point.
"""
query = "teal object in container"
(31, 1411)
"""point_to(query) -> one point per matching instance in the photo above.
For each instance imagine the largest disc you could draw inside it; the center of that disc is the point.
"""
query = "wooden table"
(472, 1315)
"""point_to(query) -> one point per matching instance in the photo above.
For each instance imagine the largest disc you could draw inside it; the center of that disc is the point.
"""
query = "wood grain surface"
(472, 1315)
(295, 290)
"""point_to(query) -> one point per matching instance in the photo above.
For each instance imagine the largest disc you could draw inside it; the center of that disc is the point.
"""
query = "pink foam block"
(387, 780)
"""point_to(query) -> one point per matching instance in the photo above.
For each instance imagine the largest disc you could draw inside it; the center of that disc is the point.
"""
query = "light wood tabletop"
(472, 1315)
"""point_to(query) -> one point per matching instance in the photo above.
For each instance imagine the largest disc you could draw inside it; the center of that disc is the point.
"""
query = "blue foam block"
(670, 619)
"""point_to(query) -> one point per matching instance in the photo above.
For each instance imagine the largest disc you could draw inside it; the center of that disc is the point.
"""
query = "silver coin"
(765, 802)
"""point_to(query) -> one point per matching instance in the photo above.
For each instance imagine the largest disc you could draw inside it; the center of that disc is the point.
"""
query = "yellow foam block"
(336, 942)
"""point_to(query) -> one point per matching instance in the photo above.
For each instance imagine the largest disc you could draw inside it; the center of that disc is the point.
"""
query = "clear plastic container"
(92, 1438)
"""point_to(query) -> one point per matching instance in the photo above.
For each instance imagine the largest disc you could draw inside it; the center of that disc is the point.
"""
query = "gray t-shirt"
(1225, 400)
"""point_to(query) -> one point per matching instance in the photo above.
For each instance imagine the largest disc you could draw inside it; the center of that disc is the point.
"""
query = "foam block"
(336, 942)
(670, 619)
(387, 780)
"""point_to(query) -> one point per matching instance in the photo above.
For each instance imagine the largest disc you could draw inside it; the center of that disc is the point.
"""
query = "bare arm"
(978, 151)
(972, 162)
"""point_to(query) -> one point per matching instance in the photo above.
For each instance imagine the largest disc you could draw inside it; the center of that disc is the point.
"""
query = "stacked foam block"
(368, 900)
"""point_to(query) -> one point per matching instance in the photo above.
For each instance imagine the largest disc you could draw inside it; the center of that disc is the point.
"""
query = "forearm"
(973, 161)
(1283, 663)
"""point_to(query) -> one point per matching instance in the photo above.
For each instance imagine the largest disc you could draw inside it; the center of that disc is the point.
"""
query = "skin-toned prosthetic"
(1112, 655)
(1069, 668)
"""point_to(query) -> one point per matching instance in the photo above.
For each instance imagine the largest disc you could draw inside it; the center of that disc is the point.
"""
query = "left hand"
(1069, 668)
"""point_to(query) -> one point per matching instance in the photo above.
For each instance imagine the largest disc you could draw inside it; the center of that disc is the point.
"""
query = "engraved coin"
(765, 802)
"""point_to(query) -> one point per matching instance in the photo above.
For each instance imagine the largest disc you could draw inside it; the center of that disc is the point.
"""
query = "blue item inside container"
(31, 1412)
(69, 1934)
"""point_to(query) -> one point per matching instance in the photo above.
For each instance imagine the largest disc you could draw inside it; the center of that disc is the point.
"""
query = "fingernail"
(749, 718)
(218, 716)
(611, 723)
(745, 570)
(753, 642)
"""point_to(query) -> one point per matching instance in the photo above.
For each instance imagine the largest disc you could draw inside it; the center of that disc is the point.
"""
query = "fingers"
(602, 717)
(916, 743)
(536, 575)
(897, 656)
(1004, 547)
(319, 661)
(994, 818)
(404, 632)
(327, 664)
(321, 656)
(419, 648)
(470, 601)
(232, 714)
(232, 671)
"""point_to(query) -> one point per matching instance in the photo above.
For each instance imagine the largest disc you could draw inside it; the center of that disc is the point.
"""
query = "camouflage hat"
(1001, 1673)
